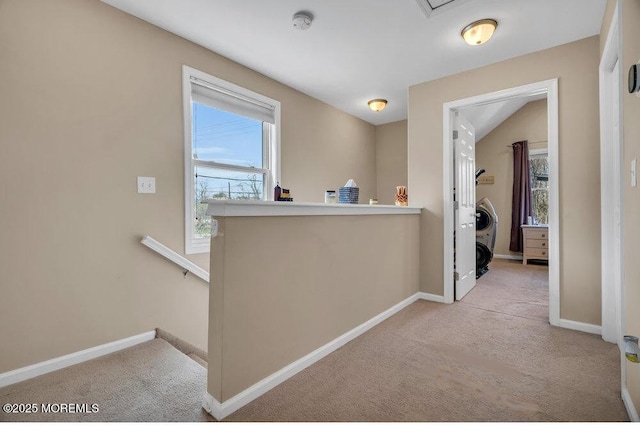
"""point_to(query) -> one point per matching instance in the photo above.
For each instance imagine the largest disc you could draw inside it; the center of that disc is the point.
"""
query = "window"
(231, 149)
(539, 172)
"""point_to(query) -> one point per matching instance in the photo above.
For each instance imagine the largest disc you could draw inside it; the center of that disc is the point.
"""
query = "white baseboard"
(430, 297)
(513, 257)
(628, 403)
(579, 326)
(221, 410)
(212, 406)
(61, 362)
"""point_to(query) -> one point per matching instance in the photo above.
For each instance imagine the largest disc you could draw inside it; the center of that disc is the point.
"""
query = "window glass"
(539, 171)
(231, 149)
(221, 184)
(227, 138)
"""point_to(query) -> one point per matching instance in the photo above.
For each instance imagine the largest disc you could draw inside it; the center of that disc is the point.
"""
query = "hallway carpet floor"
(491, 357)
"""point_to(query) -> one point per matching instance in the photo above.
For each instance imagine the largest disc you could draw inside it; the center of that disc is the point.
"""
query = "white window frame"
(271, 149)
(538, 152)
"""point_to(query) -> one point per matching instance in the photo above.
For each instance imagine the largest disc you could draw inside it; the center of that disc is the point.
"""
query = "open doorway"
(523, 94)
(498, 126)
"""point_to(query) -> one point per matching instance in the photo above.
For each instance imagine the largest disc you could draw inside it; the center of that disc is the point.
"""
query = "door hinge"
(455, 134)
(456, 276)
(456, 205)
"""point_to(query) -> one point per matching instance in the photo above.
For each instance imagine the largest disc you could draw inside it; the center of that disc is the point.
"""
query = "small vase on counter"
(401, 196)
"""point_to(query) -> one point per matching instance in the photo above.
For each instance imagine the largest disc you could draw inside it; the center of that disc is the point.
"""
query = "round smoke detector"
(302, 20)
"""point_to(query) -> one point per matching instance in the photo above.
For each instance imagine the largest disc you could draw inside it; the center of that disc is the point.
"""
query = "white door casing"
(611, 187)
(550, 88)
(612, 201)
(611, 215)
(465, 205)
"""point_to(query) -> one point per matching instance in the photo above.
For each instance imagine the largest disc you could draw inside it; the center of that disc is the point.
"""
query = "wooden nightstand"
(536, 242)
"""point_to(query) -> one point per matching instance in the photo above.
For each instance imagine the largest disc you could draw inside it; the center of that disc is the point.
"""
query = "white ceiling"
(486, 118)
(357, 50)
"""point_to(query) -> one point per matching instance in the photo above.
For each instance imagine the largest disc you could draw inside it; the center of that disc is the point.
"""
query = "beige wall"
(631, 195)
(313, 278)
(322, 147)
(91, 98)
(578, 156)
(529, 123)
(391, 160)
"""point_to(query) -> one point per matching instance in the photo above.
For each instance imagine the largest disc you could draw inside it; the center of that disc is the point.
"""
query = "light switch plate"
(634, 172)
(146, 185)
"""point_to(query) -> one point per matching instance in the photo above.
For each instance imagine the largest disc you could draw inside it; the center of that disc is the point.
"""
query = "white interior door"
(464, 142)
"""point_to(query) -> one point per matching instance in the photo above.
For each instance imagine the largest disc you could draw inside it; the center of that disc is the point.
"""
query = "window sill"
(198, 248)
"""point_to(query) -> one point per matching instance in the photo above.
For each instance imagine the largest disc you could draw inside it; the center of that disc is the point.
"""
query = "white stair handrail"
(175, 257)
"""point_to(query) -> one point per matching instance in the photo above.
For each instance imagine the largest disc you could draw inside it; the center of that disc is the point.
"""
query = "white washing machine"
(486, 230)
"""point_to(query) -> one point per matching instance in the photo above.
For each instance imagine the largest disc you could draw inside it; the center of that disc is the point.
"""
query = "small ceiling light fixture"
(302, 20)
(479, 32)
(377, 104)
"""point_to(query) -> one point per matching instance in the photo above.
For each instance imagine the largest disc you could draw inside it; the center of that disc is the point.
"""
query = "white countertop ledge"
(224, 208)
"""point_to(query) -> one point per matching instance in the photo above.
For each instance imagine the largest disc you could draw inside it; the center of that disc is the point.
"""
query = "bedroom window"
(539, 173)
(231, 149)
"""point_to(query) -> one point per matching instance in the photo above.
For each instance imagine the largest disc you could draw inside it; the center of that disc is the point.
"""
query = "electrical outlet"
(146, 185)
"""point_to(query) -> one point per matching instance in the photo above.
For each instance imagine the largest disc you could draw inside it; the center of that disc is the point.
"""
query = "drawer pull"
(544, 253)
(544, 235)
(544, 244)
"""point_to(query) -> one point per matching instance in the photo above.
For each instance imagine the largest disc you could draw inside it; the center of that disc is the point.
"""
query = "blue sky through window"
(225, 137)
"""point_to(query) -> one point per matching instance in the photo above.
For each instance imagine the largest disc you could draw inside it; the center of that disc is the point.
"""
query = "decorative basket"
(348, 195)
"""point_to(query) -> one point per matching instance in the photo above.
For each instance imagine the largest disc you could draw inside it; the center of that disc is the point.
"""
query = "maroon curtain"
(521, 203)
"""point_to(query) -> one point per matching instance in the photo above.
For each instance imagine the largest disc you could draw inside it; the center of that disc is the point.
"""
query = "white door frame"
(550, 88)
(611, 178)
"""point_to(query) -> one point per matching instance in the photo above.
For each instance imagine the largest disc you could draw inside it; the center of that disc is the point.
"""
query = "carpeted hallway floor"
(491, 357)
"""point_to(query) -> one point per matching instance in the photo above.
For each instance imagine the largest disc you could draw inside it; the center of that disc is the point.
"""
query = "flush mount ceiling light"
(479, 32)
(377, 104)
(302, 20)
